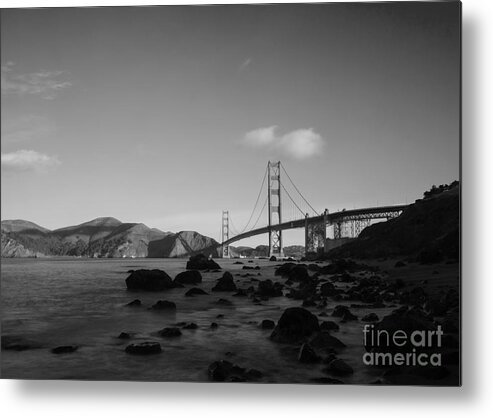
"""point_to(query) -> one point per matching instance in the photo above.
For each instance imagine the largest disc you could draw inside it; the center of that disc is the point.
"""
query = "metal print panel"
(236, 193)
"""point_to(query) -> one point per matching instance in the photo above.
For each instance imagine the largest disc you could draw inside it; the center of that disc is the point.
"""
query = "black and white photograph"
(236, 193)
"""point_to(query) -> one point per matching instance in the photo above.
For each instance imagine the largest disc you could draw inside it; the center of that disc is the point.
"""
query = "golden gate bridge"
(280, 204)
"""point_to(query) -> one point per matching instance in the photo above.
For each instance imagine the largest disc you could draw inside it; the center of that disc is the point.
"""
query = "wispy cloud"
(28, 160)
(46, 84)
(245, 64)
(300, 144)
(25, 128)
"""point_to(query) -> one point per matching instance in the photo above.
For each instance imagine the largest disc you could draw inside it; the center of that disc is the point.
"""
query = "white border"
(121, 399)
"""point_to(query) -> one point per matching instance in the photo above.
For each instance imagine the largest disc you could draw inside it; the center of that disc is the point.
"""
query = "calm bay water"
(55, 302)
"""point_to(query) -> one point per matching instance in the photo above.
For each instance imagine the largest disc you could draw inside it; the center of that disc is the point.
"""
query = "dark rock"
(169, 332)
(189, 277)
(284, 269)
(267, 324)
(273, 258)
(225, 371)
(225, 283)
(64, 349)
(150, 280)
(339, 367)
(165, 305)
(251, 268)
(194, 291)
(148, 347)
(329, 326)
(307, 354)
(201, 262)
(135, 303)
(214, 325)
(328, 289)
(342, 311)
(371, 317)
(299, 273)
(295, 325)
(325, 341)
(313, 267)
(407, 320)
(400, 264)
(329, 358)
(190, 325)
(269, 289)
(254, 374)
(237, 262)
(124, 336)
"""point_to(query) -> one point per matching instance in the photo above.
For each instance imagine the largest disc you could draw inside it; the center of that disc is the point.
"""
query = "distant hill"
(429, 230)
(26, 227)
(182, 244)
(101, 237)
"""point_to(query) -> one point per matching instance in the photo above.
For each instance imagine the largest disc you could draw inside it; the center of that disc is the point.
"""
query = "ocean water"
(81, 302)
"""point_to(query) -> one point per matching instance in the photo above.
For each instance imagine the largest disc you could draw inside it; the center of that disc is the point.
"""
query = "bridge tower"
(274, 203)
(225, 235)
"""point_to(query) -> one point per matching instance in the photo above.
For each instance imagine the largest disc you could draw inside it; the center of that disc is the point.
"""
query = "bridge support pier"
(315, 235)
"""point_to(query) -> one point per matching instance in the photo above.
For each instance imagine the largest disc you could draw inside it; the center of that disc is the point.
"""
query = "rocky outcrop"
(202, 262)
(150, 280)
(225, 283)
(188, 277)
(427, 230)
(295, 325)
(145, 348)
(11, 248)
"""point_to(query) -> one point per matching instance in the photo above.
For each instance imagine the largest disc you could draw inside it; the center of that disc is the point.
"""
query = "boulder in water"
(145, 348)
(307, 354)
(295, 325)
(188, 277)
(150, 280)
(63, 349)
(164, 305)
(201, 262)
(339, 367)
(225, 283)
(194, 291)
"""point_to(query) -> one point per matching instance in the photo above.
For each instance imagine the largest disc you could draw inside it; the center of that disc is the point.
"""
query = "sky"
(168, 115)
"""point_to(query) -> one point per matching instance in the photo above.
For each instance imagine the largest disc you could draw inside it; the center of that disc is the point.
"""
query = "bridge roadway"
(331, 218)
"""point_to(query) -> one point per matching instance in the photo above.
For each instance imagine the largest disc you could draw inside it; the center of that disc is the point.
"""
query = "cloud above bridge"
(299, 144)
(28, 160)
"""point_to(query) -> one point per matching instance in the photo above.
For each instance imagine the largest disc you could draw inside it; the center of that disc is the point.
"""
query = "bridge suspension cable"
(255, 206)
(296, 188)
(292, 200)
(260, 214)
